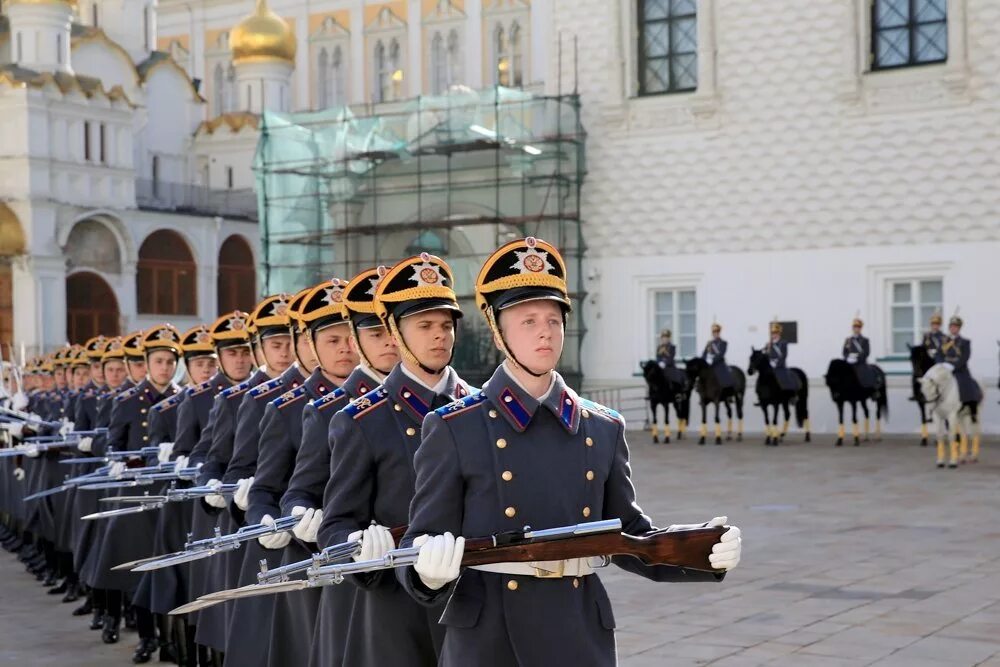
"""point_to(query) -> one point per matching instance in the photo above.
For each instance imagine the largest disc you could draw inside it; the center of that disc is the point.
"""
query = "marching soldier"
(371, 471)
(714, 355)
(378, 355)
(130, 537)
(856, 351)
(490, 462)
(777, 353)
(934, 339)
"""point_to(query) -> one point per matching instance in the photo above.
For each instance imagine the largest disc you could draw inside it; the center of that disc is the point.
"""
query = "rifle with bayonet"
(132, 477)
(71, 483)
(114, 455)
(210, 546)
(38, 444)
(19, 417)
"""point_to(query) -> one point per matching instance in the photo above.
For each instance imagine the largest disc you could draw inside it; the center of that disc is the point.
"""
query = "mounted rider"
(956, 351)
(714, 355)
(777, 354)
(856, 350)
(666, 358)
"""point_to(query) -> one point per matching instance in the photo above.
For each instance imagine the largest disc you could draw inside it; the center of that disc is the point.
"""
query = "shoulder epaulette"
(197, 389)
(461, 405)
(127, 394)
(168, 403)
(328, 400)
(267, 387)
(289, 397)
(236, 389)
(364, 404)
(601, 410)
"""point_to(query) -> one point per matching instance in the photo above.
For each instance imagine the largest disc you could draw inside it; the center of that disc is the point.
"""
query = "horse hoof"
(923, 442)
(857, 443)
(718, 441)
(656, 440)
(767, 440)
(952, 465)
(666, 441)
(808, 437)
(701, 440)
(940, 464)
(839, 443)
(739, 438)
(729, 438)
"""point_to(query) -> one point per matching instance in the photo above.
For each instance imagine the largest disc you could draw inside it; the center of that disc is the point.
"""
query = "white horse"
(940, 388)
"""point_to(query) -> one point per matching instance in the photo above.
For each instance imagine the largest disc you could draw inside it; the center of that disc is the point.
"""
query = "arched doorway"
(12, 244)
(166, 279)
(237, 279)
(91, 308)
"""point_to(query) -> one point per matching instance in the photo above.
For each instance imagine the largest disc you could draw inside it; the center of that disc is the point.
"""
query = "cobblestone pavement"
(852, 556)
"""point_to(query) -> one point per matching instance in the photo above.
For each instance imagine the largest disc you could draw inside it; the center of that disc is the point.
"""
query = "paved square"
(852, 556)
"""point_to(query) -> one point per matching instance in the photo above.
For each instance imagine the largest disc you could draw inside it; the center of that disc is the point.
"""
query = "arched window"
(395, 67)
(454, 59)
(218, 90)
(323, 79)
(508, 56)
(236, 285)
(516, 56)
(501, 57)
(382, 73)
(91, 308)
(166, 281)
(338, 86)
(439, 64)
(229, 96)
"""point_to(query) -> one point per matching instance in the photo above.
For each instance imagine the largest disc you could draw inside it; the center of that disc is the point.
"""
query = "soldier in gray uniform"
(777, 353)
(957, 351)
(856, 351)
(935, 339)
(527, 450)
(714, 355)
(378, 355)
(130, 537)
(371, 463)
(323, 326)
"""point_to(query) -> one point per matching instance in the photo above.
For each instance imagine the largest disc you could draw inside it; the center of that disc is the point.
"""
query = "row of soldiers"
(951, 348)
(329, 417)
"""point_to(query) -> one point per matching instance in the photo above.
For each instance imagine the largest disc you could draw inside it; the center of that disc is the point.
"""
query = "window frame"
(916, 304)
(172, 270)
(912, 25)
(676, 315)
(642, 59)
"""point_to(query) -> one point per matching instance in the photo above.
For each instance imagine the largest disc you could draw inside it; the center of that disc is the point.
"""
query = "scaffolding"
(455, 175)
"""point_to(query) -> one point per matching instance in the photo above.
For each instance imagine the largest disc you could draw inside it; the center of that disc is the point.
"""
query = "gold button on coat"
(493, 414)
(411, 431)
(501, 443)
(397, 408)
(586, 511)
(143, 411)
(406, 394)
(508, 399)
(590, 475)
(145, 424)
(590, 442)
(512, 585)
(145, 438)
(507, 475)
(576, 583)
(510, 512)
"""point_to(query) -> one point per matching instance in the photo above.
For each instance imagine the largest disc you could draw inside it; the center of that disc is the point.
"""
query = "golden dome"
(262, 36)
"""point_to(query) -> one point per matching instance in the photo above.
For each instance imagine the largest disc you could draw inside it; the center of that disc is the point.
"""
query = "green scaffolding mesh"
(456, 175)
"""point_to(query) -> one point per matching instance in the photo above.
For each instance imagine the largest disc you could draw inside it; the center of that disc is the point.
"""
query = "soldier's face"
(97, 373)
(935, 327)
(430, 337)
(379, 348)
(236, 362)
(114, 373)
(48, 383)
(534, 333)
(160, 367)
(953, 329)
(334, 350)
(81, 374)
(136, 370)
(59, 375)
(857, 331)
(305, 354)
(277, 352)
(201, 369)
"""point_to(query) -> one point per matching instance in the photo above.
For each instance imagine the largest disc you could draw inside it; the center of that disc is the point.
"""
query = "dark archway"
(91, 308)
(237, 279)
(167, 279)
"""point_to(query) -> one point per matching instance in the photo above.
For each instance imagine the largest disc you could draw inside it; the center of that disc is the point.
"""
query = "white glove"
(164, 454)
(852, 358)
(726, 552)
(242, 495)
(15, 430)
(66, 428)
(308, 526)
(717, 521)
(275, 540)
(20, 401)
(19, 474)
(774, 363)
(950, 366)
(440, 559)
(709, 358)
(376, 542)
(85, 445)
(117, 469)
(215, 500)
(31, 451)
(180, 464)
(4, 437)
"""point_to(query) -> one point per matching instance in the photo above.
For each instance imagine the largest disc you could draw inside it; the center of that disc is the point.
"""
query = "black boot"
(144, 651)
(97, 621)
(86, 608)
(110, 633)
(129, 618)
(72, 593)
(51, 579)
(60, 589)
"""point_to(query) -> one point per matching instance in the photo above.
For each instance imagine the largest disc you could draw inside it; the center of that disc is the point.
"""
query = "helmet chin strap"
(491, 318)
(407, 354)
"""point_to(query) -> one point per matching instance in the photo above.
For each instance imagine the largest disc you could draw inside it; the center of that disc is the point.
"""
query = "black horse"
(845, 388)
(920, 363)
(666, 392)
(701, 376)
(770, 394)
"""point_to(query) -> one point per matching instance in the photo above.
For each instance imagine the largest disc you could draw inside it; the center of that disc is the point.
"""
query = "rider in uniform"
(935, 339)
(957, 350)
(714, 355)
(856, 351)
(777, 355)
(526, 450)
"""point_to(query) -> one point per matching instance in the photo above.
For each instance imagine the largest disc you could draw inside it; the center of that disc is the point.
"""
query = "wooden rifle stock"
(683, 548)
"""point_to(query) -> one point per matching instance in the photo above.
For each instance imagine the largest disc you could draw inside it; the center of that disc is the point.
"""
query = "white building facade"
(808, 161)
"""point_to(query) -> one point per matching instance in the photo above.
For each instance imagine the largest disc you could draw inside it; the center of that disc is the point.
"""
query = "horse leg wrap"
(682, 426)
(867, 427)
(740, 426)
(729, 427)
(975, 446)
(840, 431)
(854, 430)
(666, 431)
(807, 425)
(954, 452)
(655, 430)
(718, 430)
(964, 443)
(923, 430)
(878, 428)
(940, 452)
(703, 431)
(784, 428)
